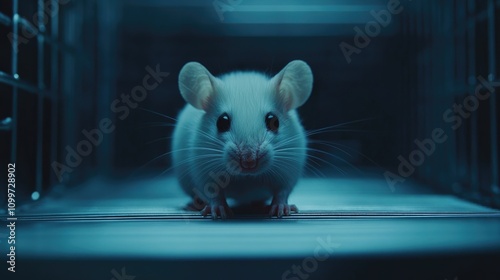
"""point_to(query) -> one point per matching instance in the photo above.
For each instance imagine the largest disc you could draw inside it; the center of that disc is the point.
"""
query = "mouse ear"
(294, 84)
(196, 84)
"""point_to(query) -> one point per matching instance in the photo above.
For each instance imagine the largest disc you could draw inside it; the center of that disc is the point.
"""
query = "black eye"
(272, 122)
(223, 123)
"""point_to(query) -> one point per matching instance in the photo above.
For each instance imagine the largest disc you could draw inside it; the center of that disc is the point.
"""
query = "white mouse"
(240, 137)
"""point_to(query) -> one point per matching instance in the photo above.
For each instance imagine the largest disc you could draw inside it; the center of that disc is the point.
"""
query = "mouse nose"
(248, 163)
(248, 159)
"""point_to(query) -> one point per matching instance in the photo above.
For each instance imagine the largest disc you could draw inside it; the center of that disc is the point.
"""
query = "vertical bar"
(106, 20)
(471, 21)
(461, 80)
(41, 86)
(449, 85)
(418, 86)
(15, 19)
(71, 34)
(54, 85)
(429, 101)
(491, 78)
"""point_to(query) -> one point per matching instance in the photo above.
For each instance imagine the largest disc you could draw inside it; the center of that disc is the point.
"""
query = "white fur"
(202, 155)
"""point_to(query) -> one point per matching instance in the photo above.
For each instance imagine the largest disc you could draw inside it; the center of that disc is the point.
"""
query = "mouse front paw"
(216, 210)
(282, 209)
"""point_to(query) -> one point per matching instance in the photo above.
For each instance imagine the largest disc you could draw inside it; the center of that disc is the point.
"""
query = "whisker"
(290, 162)
(195, 158)
(278, 175)
(331, 145)
(342, 124)
(311, 133)
(359, 153)
(208, 165)
(322, 152)
(158, 114)
(322, 160)
(173, 151)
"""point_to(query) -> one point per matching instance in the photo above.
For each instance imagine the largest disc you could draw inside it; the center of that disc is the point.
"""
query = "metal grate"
(36, 49)
(455, 51)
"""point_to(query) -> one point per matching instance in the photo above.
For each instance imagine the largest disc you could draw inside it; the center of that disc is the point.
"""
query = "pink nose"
(248, 164)
(248, 160)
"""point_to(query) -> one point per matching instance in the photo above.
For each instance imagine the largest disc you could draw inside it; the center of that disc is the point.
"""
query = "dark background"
(426, 59)
(111, 212)
(372, 86)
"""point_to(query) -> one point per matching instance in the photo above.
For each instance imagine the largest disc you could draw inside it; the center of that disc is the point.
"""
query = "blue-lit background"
(391, 74)
(390, 69)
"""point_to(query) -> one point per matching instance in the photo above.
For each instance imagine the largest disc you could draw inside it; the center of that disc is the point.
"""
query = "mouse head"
(249, 117)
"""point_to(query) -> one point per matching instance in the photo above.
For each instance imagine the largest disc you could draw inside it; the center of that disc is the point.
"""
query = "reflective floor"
(346, 227)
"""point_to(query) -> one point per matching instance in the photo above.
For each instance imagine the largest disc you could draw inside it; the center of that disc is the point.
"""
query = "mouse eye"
(223, 123)
(272, 122)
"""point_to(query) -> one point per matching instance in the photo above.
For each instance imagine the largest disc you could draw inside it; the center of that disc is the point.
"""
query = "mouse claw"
(282, 209)
(217, 210)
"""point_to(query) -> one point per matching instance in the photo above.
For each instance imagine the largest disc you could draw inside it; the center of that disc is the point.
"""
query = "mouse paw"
(282, 209)
(216, 210)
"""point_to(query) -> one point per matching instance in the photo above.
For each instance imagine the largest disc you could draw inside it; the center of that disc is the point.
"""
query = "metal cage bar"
(54, 86)
(15, 30)
(471, 69)
(449, 38)
(41, 86)
(46, 92)
(5, 20)
(15, 82)
(491, 78)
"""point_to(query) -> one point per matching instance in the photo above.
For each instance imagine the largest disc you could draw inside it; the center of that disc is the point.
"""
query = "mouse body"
(240, 137)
